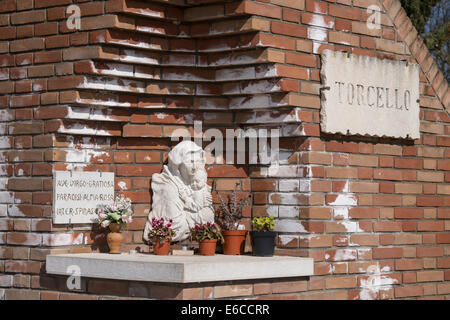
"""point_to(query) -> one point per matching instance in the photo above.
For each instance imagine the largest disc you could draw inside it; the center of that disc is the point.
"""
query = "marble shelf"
(179, 269)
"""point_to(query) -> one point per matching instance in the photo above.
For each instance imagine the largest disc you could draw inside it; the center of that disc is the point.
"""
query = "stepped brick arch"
(372, 212)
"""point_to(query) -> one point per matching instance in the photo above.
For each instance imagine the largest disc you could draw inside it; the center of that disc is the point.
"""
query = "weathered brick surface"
(369, 211)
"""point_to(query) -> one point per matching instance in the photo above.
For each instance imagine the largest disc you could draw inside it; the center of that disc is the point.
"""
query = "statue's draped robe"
(173, 199)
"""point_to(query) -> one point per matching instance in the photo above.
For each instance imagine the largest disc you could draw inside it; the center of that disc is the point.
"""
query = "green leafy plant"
(206, 231)
(160, 231)
(230, 212)
(263, 223)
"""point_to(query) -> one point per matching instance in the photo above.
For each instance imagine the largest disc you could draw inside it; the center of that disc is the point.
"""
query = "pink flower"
(127, 219)
(105, 223)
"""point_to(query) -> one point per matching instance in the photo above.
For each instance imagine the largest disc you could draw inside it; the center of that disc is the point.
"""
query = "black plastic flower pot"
(263, 243)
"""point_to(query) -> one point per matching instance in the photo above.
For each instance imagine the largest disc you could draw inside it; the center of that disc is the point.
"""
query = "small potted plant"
(263, 236)
(115, 216)
(161, 235)
(228, 217)
(207, 235)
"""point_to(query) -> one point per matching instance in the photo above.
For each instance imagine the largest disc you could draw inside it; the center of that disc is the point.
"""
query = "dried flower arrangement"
(230, 212)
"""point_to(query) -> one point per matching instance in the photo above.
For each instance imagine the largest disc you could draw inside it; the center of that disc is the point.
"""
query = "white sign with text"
(369, 96)
(76, 195)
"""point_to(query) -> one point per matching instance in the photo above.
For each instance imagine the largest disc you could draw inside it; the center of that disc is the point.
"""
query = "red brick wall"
(373, 213)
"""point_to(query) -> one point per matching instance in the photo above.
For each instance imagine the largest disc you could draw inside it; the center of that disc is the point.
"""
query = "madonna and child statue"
(180, 191)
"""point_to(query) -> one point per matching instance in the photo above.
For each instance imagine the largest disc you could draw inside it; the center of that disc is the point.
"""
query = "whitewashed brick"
(5, 142)
(284, 156)
(343, 255)
(305, 186)
(14, 211)
(3, 169)
(350, 226)
(287, 198)
(236, 74)
(285, 239)
(292, 171)
(62, 239)
(288, 212)
(115, 69)
(266, 70)
(272, 211)
(6, 280)
(6, 197)
(6, 115)
(24, 238)
(137, 57)
(289, 185)
(3, 210)
(255, 101)
(345, 199)
(287, 225)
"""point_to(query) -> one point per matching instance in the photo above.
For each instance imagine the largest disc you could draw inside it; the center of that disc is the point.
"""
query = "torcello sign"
(76, 195)
(369, 96)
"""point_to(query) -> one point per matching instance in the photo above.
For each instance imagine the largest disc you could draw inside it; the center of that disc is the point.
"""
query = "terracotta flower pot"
(234, 241)
(208, 247)
(114, 238)
(161, 248)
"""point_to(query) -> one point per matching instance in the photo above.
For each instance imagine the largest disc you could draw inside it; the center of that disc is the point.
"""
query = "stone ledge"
(179, 269)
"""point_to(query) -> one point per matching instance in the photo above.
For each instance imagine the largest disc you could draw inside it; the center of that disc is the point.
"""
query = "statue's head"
(186, 159)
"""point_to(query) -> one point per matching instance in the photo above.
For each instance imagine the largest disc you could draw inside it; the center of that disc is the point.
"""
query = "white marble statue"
(180, 191)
